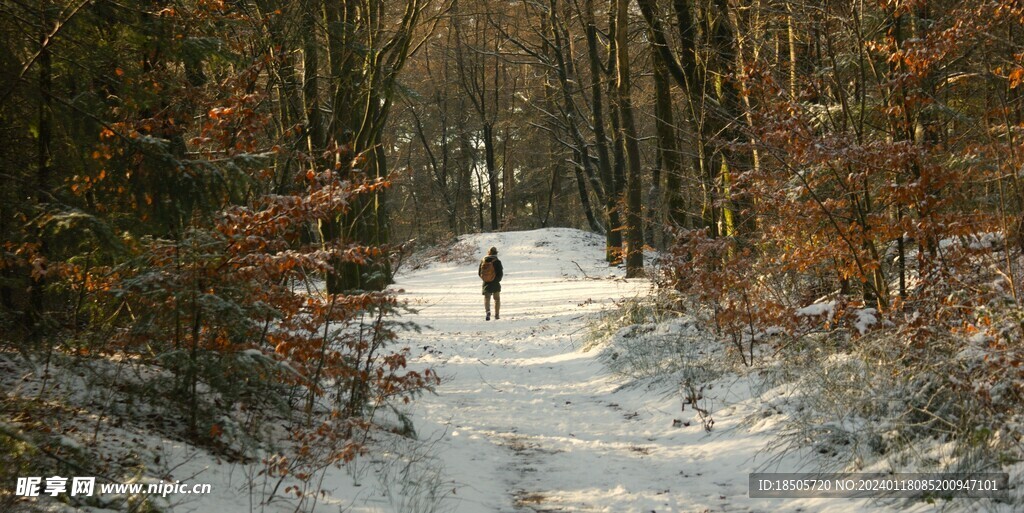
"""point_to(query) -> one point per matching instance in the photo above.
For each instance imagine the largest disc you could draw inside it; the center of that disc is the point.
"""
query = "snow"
(986, 241)
(529, 418)
(816, 309)
(866, 318)
(978, 241)
(526, 420)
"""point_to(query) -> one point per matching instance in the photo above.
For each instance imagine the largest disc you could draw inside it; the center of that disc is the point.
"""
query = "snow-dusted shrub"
(671, 352)
(232, 341)
(413, 478)
(448, 250)
(627, 313)
(667, 350)
(897, 340)
(886, 256)
(884, 405)
(929, 379)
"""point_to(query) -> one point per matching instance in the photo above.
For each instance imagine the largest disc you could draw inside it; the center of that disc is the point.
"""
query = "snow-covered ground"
(527, 420)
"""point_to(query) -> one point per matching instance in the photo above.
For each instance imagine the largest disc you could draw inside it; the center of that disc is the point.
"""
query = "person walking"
(490, 271)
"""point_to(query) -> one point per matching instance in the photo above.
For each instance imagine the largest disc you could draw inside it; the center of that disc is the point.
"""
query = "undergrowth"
(448, 250)
(650, 344)
(913, 394)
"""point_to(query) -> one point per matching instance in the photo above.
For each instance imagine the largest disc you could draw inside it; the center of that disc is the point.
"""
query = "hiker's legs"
(487, 302)
(497, 305)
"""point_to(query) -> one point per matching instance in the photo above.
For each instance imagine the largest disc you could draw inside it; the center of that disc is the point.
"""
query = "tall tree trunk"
(467, 164)
(315, 139)
(634, 218)
(791, 44)
(44, 161)
(730, 118)
(613, 237)
(618, 141)
(671, 163)
(509, 204)
(556, 207)
(692, 79)
(566, 80)
(365, 59)
(492, 173)
(581, 184)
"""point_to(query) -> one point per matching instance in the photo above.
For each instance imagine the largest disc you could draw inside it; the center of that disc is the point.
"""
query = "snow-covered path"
(528, 421)
(523, 411)
(525, 420)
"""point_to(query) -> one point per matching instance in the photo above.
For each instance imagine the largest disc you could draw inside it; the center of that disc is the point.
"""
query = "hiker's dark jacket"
(494, 286)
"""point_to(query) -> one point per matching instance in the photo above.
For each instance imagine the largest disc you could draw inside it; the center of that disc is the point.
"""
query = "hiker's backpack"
(487, 272)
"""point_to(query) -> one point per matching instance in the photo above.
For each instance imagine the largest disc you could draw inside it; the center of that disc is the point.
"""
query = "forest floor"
(528, 418)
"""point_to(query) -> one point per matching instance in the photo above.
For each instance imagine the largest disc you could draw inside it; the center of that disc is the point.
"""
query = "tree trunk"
(634, 218)
(315, 139)
(581, 184)
(729, 118)
(44, 158)
(364, 60)
(671, 163)
(618, 142)
(492, 173)
(691, 78)
(565, 79)
(613, 237)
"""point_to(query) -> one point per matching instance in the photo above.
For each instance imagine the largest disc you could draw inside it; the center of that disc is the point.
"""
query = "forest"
(207, 207)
